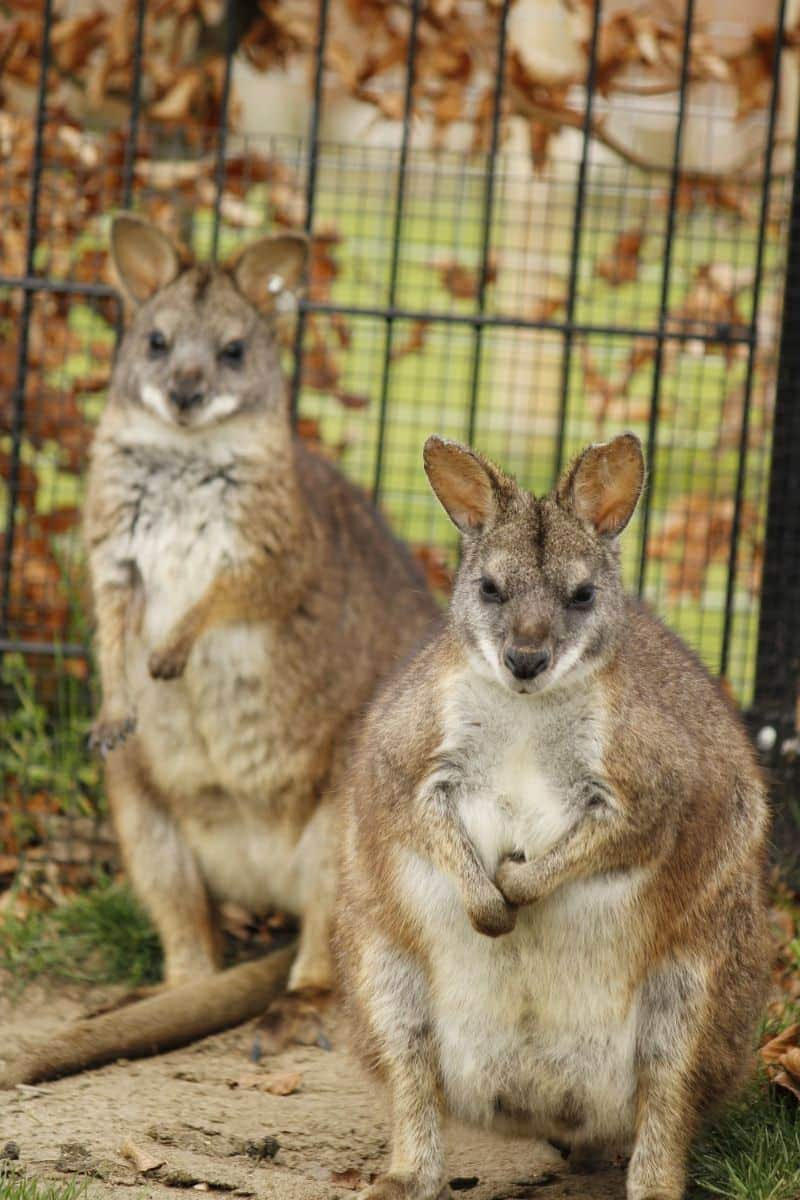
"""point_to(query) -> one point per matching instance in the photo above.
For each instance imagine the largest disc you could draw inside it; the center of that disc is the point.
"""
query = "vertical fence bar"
(577, 233)
(311, 189)
(666, 278)
(778, 653)
(399, 212)
(18, 395)
(741, 471)
(231, 32)
(488, 215)
(132, 140)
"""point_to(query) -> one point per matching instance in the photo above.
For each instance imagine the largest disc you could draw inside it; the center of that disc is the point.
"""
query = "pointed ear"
(144, 257)
(467, 485)
(271, 267)
(604, 484)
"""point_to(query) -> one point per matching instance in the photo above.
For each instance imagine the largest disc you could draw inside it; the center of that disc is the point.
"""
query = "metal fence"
(525, 309)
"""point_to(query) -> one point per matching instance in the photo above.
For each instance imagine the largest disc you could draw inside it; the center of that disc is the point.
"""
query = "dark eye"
(156, 342)
(233, 353)
(582, 597)
(490, 592)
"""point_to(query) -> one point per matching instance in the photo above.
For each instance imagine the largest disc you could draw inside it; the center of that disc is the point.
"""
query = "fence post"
(778, 656)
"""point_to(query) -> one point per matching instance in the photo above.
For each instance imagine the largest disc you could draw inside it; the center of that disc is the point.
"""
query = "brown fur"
(248, 600)
(648, 896)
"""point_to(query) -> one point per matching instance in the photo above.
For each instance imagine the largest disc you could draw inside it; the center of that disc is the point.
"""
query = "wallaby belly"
(536, 1029)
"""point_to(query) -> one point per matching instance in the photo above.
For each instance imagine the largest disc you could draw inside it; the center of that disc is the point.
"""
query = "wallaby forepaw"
(169, 663)
(516, 881)
(107, 733)
(492, 916)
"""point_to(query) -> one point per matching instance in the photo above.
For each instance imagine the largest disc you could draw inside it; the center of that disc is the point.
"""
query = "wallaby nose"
(185, 397)
(526, 664)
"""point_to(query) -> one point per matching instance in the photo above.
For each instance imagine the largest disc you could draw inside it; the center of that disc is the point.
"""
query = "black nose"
(185, 398)
(526, 664)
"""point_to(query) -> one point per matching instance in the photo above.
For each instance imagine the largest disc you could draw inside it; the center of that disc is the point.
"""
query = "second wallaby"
(248, 600)
(552, 916)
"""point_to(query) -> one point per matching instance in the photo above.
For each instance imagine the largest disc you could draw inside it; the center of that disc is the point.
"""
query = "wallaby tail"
(172, 1018)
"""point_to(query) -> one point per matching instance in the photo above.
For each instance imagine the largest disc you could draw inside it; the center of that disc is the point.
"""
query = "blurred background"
(534, 224)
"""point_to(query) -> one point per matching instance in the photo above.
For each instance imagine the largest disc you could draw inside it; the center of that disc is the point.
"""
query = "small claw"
(106, 735)
(167, 664)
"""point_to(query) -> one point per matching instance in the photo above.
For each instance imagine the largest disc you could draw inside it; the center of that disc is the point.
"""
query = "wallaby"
(551, 916)
(248, 600)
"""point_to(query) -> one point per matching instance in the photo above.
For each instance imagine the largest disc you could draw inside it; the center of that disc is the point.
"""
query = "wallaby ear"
(271, 267)
(144, 257)
(604, 484)
(466, 484)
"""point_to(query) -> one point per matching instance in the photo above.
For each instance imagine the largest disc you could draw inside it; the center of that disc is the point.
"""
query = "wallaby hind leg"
(316, 896)
(399, 1011)
(163, 871)
(674, 1001)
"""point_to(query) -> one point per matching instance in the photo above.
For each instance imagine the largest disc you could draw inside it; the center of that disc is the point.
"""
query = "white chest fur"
(536, 1027)
(513, 754)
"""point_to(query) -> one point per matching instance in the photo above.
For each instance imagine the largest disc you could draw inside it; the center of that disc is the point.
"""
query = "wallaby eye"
(583, 596)
(490, 592)
(156, 342)
(233, 353)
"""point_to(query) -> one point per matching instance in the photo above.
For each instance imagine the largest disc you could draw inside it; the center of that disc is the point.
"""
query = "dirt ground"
(201, 1123)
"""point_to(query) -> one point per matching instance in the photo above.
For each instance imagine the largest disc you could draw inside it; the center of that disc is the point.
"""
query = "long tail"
(163, 1022)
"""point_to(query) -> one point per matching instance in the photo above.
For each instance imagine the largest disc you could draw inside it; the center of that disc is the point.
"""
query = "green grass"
(15, 1186)
(103, 936)
(752, 1152)
(38, 754)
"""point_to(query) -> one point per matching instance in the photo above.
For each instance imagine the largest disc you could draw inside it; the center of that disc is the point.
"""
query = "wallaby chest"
(543, 1035)
(179, 525)
(517, 759)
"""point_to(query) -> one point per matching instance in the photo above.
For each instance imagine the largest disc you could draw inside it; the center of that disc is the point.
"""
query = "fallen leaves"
(276, 1083)
(695, 533)
(781, 1056)
(621, 263)
(463, 283)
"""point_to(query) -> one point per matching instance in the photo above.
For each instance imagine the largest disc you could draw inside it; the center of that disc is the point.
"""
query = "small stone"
(10, 1151)
(262, 1148)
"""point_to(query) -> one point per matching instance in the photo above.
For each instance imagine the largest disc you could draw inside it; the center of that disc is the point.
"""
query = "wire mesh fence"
(525, 296)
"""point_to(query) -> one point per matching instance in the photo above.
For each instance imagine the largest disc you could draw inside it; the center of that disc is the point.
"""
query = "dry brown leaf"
(143, 1160)
(416, 339)
(463, 282)
(277, 1083)
(790, 1084)
(176, 104)
(774, 1050)
(621, 264)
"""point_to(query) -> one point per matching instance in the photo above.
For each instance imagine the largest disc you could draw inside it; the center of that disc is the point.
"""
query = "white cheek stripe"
(154, 398)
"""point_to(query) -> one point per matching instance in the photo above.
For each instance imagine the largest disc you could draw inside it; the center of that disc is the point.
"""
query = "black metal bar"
(38, 283)
(399, 211)
(55, 649)
(132, 139)
(577, 233)
(505, 321)
(231, 32)
(311, 191)
(741, 471)
(778, 652)
(666, 276)
(18, 395)
(488, 214)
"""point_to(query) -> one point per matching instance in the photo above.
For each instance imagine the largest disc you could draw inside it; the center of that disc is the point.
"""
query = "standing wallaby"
(558, 772)
(248, 599)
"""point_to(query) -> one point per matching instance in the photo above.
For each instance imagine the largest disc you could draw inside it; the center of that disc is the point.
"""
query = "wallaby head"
(538, 596)
(201, 347)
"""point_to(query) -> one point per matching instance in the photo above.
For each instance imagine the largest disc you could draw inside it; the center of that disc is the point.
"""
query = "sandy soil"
(187, 1111)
